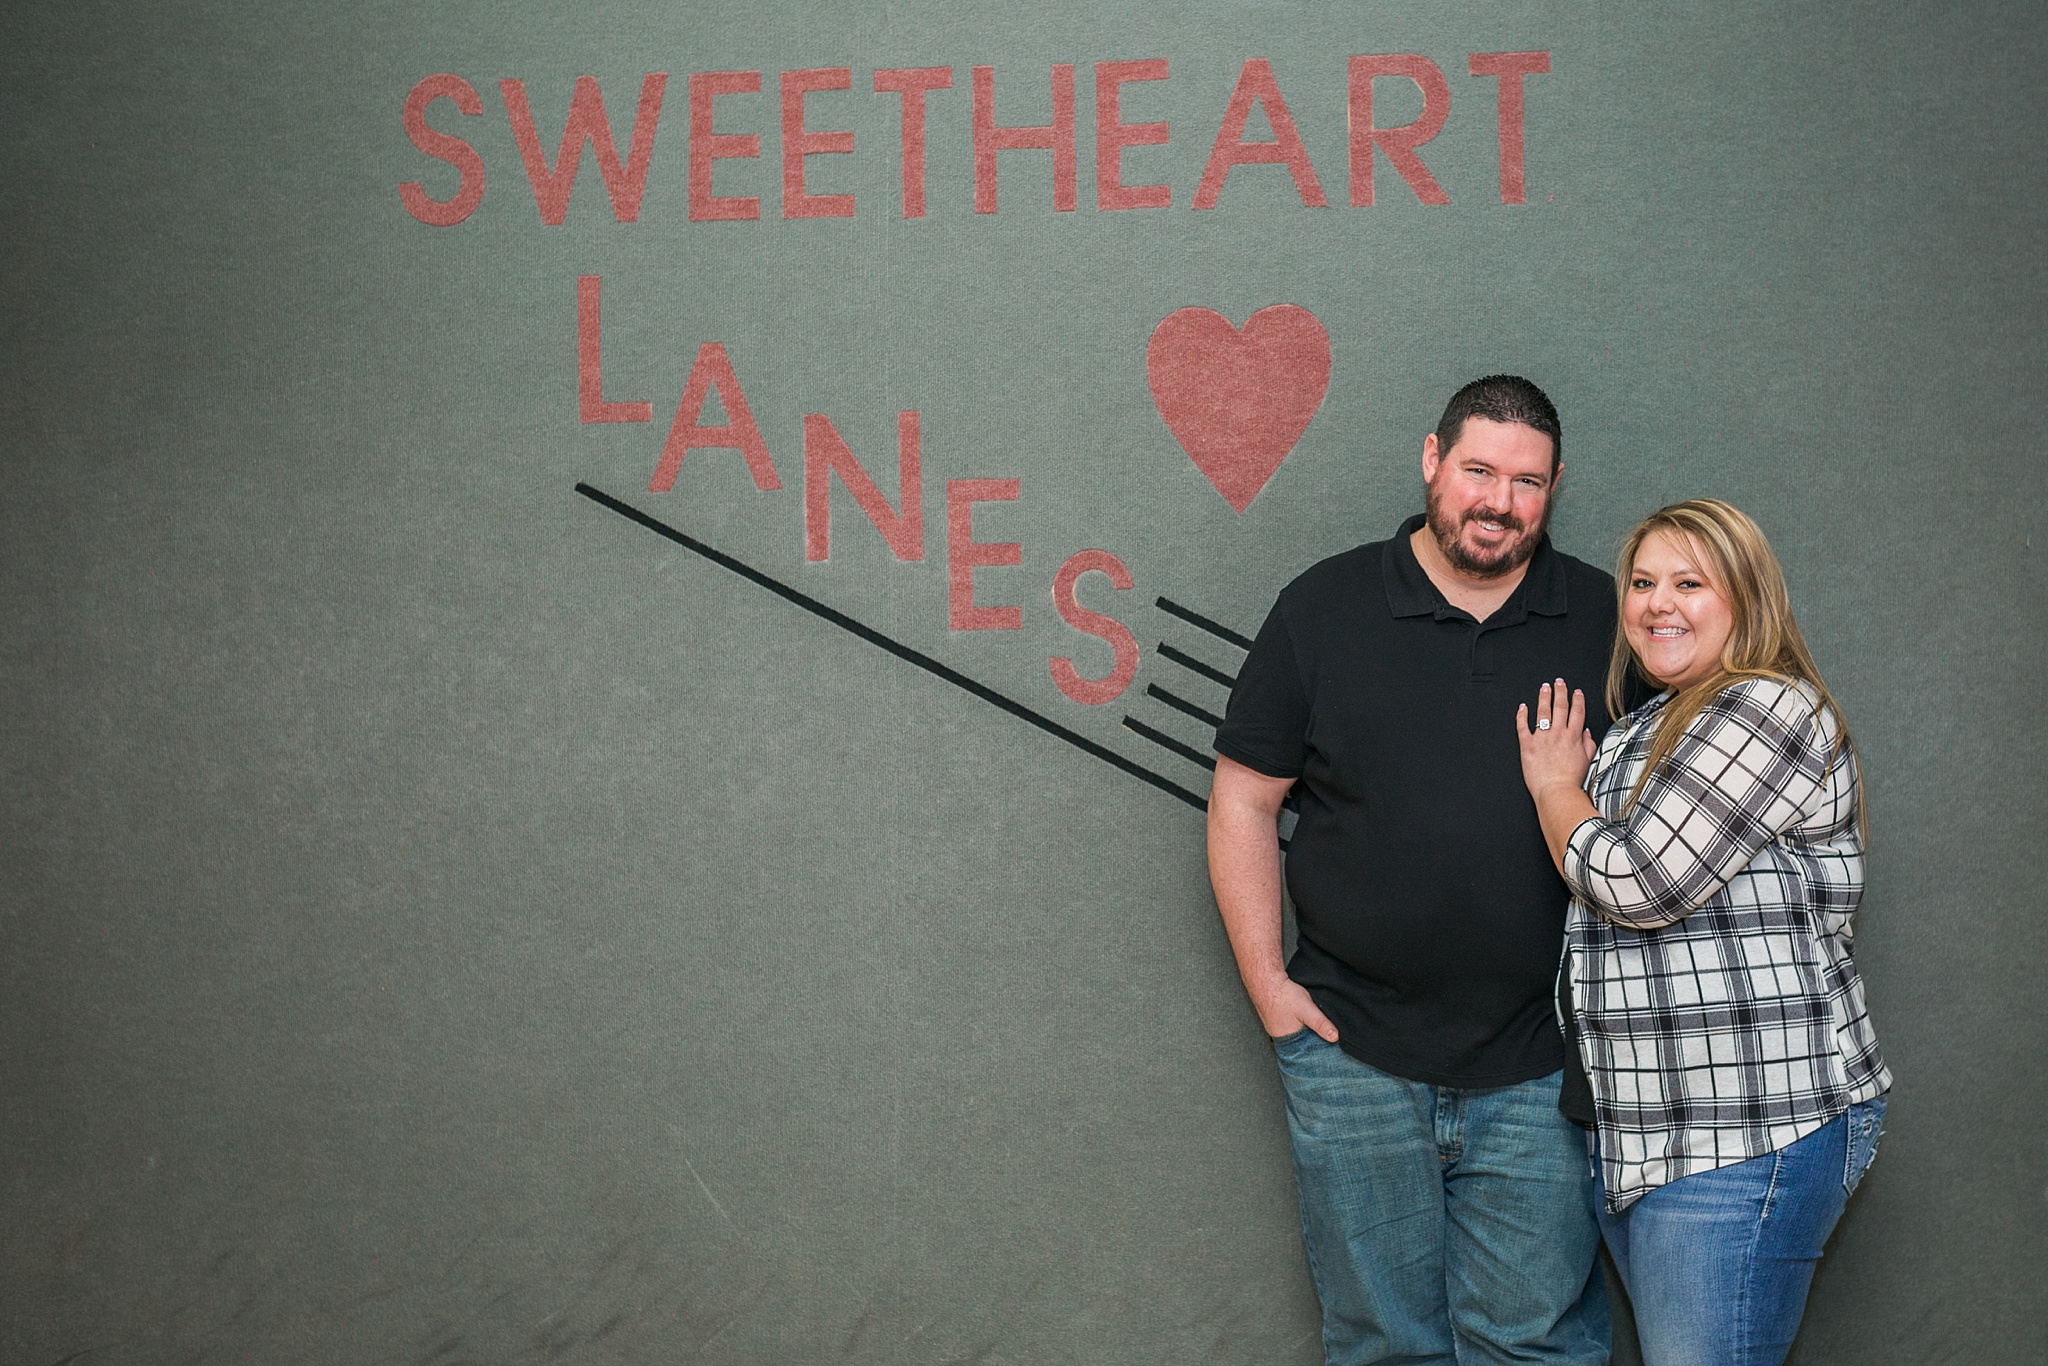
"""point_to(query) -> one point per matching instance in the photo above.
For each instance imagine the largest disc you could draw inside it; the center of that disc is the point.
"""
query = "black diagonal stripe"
(894, 647)
(1181, 704)
(1216, 629)
(1165, 741)
(1187, 661)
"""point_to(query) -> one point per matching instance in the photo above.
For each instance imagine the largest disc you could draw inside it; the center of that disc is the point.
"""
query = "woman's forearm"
(1561, 808)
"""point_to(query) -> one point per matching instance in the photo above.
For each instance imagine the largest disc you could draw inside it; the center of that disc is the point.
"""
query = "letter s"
(1094, 692)
(436, 213)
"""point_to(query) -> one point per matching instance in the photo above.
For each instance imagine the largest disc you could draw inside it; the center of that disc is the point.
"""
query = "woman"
(1713, 846)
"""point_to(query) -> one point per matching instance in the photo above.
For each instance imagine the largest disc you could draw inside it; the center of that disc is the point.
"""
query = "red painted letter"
(1398, 143)
(1510, 67)
(737, 433)
(1056, 137)
(590, 359)
(707, 146)
(443, 213)
(1094, 692)
(826, 453)
(1256, 83)
(912, 82)
(1112, 135)
(964, 553)
(799, 142)
(587, 123)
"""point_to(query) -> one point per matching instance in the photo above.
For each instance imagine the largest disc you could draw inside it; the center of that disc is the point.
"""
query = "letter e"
(964, 554)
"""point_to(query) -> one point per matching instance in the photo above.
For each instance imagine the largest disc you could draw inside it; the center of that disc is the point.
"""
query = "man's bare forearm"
(1244, 870)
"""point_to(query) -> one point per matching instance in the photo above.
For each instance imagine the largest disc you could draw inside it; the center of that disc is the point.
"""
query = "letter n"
(826, 454)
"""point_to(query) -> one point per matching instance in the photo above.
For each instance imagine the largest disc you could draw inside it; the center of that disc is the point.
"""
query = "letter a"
(1255, 85)
(738, 432)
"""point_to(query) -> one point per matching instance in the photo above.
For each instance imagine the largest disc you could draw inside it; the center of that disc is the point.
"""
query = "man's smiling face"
(1489, 495)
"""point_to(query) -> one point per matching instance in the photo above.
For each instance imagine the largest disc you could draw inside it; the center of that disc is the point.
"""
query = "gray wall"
(444, 921)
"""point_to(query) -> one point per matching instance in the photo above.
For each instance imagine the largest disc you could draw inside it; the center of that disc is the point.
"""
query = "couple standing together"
(1569, 967)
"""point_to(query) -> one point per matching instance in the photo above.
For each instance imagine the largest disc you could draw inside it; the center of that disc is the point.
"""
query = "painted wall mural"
(613, 619)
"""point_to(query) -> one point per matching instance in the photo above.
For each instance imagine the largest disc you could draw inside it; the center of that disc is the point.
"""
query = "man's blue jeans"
(1718, 1263)
(1442, 1225)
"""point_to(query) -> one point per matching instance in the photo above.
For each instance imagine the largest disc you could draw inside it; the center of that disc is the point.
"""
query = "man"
(1444, 1199)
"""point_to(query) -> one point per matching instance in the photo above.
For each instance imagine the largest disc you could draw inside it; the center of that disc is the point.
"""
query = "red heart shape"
(1237, 401)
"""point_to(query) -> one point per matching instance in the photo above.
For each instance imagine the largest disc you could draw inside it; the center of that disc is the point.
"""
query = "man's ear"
(1431, 457)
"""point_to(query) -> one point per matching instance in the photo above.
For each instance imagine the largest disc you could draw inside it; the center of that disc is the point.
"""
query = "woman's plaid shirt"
(1709, 940)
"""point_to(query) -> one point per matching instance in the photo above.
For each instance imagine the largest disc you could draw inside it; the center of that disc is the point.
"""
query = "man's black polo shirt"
(1431, 918)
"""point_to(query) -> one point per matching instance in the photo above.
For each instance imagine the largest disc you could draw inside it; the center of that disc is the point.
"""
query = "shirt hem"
(1256, 763)
(1874, 1086)
(1429, 1076)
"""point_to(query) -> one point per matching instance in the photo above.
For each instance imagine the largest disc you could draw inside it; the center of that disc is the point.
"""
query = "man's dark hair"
(1502, 398)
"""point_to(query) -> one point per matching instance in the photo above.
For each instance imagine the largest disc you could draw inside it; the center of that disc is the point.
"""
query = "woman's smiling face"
(1675, 616)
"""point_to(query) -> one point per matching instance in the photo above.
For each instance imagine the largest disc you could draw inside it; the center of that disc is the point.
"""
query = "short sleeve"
(1265, 727)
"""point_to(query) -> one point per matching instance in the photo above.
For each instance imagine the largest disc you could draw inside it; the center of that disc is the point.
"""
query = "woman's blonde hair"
(1763, 639)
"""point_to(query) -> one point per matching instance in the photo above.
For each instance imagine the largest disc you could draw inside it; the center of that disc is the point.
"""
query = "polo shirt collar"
(1411, 594)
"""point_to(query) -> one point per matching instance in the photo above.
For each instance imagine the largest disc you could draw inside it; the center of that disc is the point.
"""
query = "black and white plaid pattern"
(1709, 940)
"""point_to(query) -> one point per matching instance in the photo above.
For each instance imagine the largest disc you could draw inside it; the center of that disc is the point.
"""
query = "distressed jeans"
(1717, 1264)
(1442, 1225)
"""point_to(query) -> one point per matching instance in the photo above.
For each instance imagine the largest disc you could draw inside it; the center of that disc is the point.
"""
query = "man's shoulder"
(1336, 577)
(1580, 570)
(1586, 585)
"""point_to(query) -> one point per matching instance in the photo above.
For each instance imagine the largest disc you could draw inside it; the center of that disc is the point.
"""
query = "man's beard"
(1512, 554)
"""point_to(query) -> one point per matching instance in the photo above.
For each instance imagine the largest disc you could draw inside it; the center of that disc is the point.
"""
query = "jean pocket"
(1866, 1126)
(1289, 1043)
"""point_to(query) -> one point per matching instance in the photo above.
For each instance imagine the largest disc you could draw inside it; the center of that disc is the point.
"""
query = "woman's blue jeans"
(1442, 1225)
(1717, 1264)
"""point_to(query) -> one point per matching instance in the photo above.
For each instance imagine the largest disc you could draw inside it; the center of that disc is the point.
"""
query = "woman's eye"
(1641, 585)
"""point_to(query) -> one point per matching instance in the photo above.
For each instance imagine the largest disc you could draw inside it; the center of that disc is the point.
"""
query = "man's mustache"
(1506, 519)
